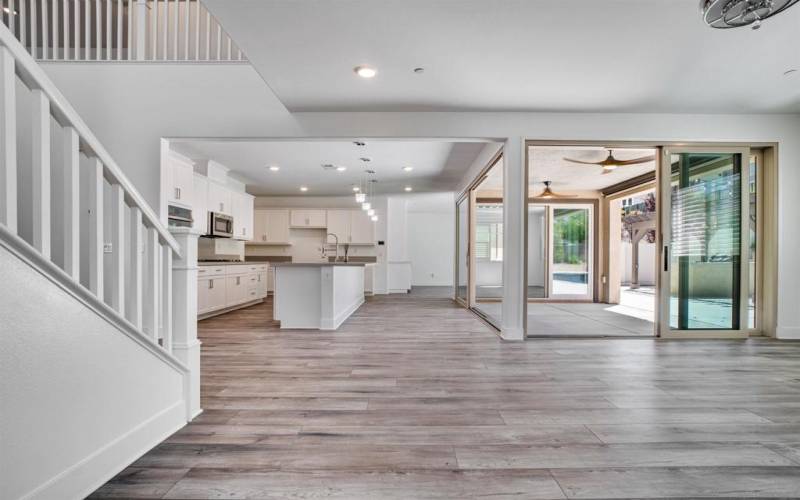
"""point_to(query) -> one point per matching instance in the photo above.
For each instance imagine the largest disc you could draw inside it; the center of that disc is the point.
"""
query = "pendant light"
(371, 211)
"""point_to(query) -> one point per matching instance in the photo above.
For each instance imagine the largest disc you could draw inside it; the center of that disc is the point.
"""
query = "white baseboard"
(398, 290)
(788, 332)
(342, 316)
(102, 465)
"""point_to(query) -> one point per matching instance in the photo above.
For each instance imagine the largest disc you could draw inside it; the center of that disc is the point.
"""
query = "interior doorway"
(587, 206)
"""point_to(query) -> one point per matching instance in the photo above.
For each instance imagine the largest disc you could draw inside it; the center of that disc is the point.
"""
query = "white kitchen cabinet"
(362, 229)
(199, 203)
(236, 290)
(339, 224)
(219, 199)
(221, 288)
(308, 218)
(261, 284)
(271, 227)
(180, 181)
(351, 226)
(242, 216)
(211, 294)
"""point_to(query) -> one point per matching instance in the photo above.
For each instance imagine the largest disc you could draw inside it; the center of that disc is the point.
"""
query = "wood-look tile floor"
(416, 398)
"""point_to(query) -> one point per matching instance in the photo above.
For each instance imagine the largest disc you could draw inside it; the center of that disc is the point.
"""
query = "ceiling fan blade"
(636, 161)
(556, 195)
(583, 162)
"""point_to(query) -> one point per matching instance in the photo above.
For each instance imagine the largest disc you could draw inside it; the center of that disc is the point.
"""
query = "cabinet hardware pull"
(210, 284)
(177, 193)
(238, 280)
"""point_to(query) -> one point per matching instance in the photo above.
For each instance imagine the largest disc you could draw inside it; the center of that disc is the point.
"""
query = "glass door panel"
(462, 252)
(571, 252)
(705, 236)
(537, 251)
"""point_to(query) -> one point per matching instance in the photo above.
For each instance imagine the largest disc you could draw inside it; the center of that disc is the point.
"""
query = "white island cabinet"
(317, 295)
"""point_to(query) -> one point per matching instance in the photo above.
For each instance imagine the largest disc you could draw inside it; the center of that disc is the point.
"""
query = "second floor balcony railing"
(119, 30)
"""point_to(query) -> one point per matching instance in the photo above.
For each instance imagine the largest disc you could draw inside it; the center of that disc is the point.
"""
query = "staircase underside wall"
(80, 398)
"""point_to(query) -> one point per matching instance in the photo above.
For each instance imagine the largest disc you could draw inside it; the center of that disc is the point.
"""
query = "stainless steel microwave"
(220, 225)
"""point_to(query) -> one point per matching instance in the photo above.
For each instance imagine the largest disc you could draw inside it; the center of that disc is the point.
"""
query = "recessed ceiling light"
(790, 72)
(408, 168)
(408, 188)
(274, 168)
(365, 159)
(356, 189)
(419, 70)
(359, 143)
(365, 71)
(341, 168)
(304, 188)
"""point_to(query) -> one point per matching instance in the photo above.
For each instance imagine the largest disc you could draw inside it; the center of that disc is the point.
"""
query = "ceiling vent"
(737, 13)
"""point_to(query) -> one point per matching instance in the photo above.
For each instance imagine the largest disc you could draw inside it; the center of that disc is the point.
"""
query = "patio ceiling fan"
(610, 163)
(548, 193)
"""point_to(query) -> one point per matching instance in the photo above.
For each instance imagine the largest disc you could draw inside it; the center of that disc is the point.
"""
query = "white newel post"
(185, 345)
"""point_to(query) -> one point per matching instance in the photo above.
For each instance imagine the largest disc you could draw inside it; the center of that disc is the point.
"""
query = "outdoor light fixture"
(366, 206)
(361, 197)
(374, 218)
(737, 13)
(371, 212)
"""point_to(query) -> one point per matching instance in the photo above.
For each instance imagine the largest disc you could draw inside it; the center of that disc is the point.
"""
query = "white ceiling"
(437, 165)
(535, 55)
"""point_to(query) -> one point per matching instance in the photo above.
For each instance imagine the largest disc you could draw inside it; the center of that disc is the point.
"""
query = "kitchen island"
(317, 295)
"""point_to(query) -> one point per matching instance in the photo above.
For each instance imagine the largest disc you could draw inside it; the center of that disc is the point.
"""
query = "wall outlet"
(107, 248)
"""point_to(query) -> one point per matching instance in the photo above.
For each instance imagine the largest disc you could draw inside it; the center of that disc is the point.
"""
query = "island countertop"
(319, 264)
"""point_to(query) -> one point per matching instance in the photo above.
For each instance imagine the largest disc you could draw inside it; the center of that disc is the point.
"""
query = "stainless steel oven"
(220, 225)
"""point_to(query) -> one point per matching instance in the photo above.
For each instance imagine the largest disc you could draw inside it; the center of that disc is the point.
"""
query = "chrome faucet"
(325, 247)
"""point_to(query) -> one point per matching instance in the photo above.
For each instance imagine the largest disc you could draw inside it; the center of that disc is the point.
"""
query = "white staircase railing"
(62, 199)
(118, 30)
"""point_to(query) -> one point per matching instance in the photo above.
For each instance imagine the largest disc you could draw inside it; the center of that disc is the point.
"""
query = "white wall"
(431, 238)
(80, 398)
(647, 263)
(131, 106)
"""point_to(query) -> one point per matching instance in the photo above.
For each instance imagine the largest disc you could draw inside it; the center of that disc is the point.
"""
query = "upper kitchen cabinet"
(308, 219)
(180, 180)
(271, 227)
(351, 227)
(362, 229)
(220, 199)
(339, 224)
(242, 216)
(199, 203)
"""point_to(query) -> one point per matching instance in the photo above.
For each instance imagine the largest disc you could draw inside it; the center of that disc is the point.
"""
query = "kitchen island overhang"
(317, 295)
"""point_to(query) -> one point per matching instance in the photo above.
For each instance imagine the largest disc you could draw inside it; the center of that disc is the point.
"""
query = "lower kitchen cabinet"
(224, 287)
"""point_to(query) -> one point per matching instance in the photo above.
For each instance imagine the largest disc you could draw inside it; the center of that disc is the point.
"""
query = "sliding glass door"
(462, 251)
(705, 257)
